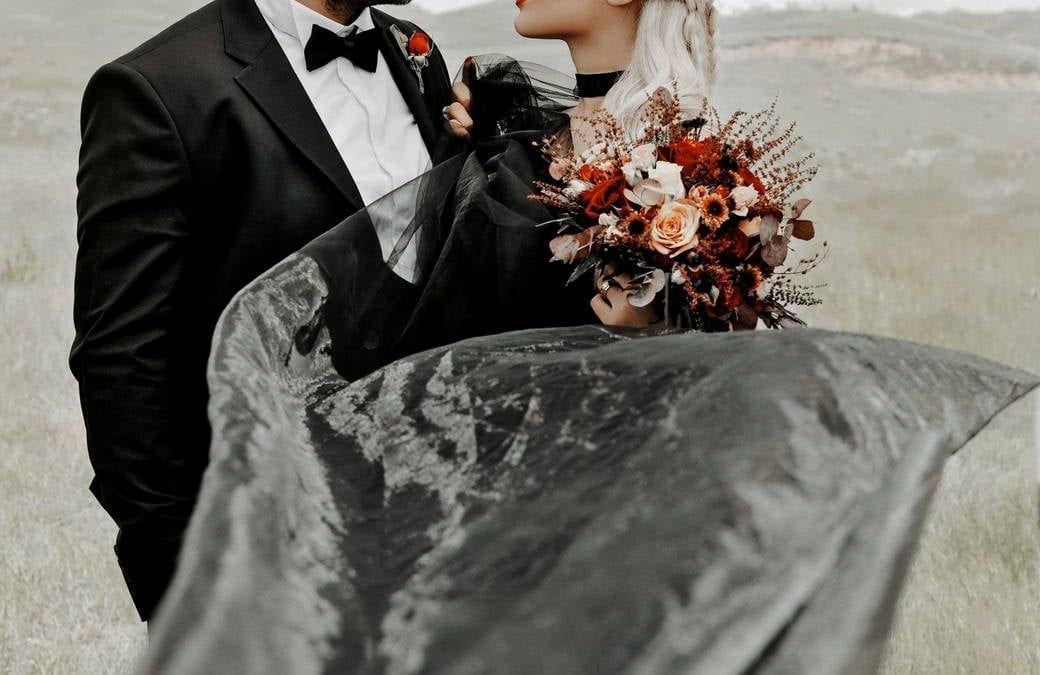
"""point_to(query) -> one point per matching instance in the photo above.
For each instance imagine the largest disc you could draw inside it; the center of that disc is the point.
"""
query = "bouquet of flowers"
(703, 222)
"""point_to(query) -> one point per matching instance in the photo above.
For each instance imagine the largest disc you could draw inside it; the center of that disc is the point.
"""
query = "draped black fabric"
(567, 500)
(427, 458)
(482, 263)
(511, 96)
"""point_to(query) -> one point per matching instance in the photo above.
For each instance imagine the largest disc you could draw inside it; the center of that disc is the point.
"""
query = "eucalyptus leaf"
(645, 287)
(770, 226)
(746, 317)
(802, 229)
(584, 266)
(774, 252)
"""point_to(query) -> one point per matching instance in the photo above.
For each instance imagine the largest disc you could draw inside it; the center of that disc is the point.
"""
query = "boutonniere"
(417, 49)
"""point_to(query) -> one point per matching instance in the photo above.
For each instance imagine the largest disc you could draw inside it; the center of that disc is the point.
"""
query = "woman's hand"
(457, 114)
(611, 304)
(459, 120)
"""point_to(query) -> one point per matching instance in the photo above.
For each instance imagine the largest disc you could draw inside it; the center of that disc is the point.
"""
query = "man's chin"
(348, 6)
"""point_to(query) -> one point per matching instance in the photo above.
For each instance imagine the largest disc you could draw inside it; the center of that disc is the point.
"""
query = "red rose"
(685, 153)
(752, 180)
(591, 174)
(420, 44)
(600, 198)
(734, 244)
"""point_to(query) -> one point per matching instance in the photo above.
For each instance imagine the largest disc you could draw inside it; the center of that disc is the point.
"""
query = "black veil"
(511, 96)
(459, 251)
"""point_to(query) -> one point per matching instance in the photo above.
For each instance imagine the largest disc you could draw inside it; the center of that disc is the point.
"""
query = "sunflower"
(714, 210)
(749, 278)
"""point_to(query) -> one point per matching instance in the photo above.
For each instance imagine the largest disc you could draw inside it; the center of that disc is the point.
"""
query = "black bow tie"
(324, 46)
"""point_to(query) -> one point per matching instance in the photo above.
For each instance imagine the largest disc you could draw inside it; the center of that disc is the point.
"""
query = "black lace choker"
(595, 86)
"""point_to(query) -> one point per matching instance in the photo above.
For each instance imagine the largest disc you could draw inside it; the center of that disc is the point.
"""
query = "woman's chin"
(525, 29)
(518, 26)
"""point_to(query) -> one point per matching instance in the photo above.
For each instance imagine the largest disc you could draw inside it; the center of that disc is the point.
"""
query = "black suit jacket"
(203, 163)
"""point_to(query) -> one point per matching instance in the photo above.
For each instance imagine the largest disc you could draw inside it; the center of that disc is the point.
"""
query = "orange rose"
(674, 230)
(420, 44)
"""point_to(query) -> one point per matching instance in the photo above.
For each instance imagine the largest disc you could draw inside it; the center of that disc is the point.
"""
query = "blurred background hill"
(1020, 27)
(925, 128)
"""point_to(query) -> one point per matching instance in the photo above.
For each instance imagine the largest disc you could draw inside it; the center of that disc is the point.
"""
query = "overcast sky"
(897, 6)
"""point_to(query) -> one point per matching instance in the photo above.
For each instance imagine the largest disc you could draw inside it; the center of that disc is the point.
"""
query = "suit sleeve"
(132, 235)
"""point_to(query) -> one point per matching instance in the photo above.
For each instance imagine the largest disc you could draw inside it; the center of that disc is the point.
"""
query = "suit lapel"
(271, 83)
(422, 106)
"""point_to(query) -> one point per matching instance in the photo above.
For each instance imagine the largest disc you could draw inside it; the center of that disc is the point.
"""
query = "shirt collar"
(297, 21)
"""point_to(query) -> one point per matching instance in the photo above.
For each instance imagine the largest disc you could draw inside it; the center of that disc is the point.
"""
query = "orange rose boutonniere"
(417, 49)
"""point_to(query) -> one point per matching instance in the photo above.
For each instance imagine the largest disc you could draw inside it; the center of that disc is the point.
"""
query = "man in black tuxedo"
(210, 153)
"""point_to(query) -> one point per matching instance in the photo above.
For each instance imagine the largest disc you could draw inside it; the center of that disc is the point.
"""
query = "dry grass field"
(926, 130)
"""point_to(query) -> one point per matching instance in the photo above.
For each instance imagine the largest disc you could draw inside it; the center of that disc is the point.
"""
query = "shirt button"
(371, 340)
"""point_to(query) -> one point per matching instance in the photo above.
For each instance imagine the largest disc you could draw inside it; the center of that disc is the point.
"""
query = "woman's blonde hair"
(675, 46)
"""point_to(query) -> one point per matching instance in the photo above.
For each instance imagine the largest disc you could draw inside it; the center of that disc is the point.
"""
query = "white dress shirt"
(368, 119)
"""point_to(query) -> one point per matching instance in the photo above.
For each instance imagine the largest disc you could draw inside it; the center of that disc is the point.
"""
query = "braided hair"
(675, 46)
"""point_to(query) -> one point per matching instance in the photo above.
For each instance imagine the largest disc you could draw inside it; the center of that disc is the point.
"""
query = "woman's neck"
(603, 51)
(606, 50)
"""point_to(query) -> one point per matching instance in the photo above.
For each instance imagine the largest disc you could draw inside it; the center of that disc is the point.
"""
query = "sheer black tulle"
(480, 254)
(512, 96)
(482, 261)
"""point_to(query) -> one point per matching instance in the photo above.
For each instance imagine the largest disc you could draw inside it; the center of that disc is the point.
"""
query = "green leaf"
(589, 263)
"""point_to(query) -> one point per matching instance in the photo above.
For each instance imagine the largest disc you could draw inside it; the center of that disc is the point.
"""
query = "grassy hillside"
(925, 130)
(1019, 27)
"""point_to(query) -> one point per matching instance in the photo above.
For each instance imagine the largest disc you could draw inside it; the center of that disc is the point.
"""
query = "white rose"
(670, 177)
(646, 193)
(644, 157)
(743, 198)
